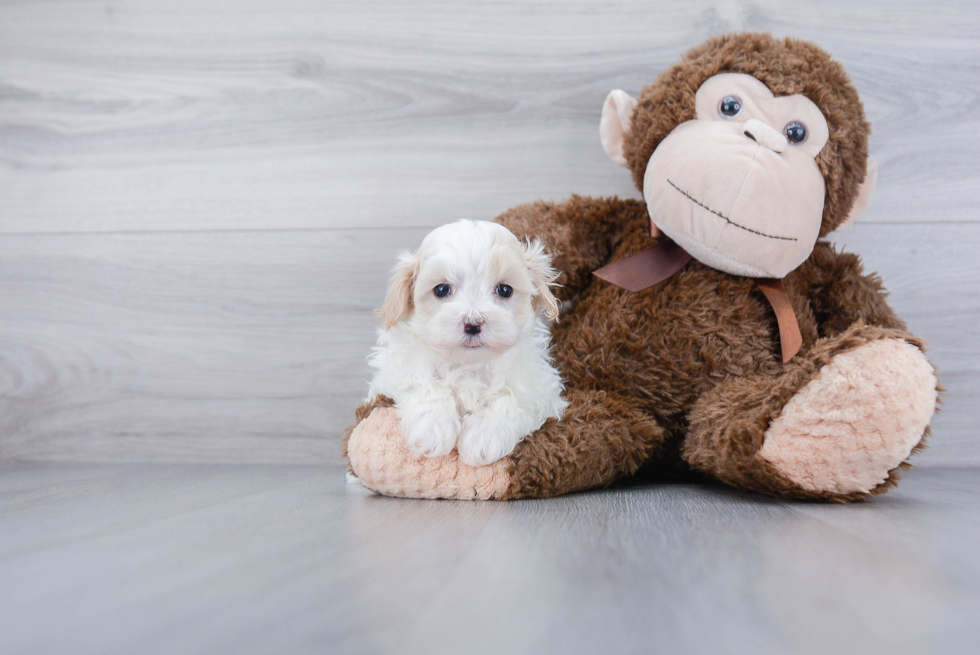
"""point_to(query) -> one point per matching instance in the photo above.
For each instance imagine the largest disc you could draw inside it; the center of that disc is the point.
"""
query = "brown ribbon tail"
(646, 268)
(790, 338)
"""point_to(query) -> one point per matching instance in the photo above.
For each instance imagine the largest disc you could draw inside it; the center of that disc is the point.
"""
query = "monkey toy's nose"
(764, 135)
(472, 328)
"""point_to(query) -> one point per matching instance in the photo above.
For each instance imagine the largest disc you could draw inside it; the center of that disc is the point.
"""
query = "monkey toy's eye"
(795, 133)
(504, 291)
(442, 290)
(730, 106)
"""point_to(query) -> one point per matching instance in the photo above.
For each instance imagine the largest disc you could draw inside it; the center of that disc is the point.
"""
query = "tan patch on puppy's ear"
(863, 199)
(398, 301)
(543, 276)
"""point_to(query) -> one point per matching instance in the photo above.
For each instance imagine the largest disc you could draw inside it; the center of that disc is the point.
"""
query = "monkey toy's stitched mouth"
(728, 220)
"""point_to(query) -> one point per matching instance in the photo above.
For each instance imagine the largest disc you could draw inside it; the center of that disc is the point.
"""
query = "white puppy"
(464, 349)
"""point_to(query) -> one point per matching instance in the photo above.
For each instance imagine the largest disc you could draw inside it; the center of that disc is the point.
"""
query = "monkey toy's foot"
(856, 421)
(837, 425)
(382, 461)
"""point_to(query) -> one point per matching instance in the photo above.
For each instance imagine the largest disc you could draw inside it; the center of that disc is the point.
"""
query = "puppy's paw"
(486, 437)
(431, 427)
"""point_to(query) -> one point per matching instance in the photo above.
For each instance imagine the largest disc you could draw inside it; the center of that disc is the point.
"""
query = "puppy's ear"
(398, 301)
(543, 276)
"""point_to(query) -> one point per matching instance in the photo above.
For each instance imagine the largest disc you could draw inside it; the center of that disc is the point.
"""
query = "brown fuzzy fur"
(686, 376)
(697, 356)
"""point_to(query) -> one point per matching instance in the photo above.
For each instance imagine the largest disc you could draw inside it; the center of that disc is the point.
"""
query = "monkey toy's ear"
(617, 113)
(864, 195)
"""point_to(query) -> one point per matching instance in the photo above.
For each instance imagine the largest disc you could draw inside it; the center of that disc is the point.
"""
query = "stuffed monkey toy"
(707, 332)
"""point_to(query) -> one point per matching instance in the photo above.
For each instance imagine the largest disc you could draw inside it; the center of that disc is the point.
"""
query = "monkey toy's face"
(737, 186)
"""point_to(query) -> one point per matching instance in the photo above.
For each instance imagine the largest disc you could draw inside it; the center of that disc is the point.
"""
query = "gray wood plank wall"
(200, 199)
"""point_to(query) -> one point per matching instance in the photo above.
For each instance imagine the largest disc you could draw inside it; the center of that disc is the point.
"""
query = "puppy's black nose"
(471, 328)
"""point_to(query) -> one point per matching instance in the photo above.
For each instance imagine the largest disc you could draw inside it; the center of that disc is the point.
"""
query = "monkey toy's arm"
(580, 233)
(840, 293)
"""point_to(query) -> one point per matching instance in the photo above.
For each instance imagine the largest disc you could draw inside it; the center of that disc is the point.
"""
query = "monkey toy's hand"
(381, 459)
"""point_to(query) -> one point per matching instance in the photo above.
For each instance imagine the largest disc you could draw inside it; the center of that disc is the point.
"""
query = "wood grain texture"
(272, 559)
(266, 114)
(200, 200)
(186, 346)
(250, 346)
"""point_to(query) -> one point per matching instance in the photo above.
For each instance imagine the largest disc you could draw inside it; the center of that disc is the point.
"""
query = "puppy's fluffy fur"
(470, 369)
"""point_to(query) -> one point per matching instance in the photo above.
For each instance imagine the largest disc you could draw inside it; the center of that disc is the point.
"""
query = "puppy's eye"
(795, 132)
(504, 291)
(442, 290)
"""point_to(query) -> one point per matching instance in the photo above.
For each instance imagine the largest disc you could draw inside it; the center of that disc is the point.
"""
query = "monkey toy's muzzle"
(727, 194)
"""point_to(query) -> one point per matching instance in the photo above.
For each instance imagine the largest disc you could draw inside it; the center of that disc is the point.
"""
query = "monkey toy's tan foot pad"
(382, 461)
(858, 419)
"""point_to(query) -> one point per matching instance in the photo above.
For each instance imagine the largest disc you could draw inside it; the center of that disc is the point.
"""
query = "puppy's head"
(471, 290)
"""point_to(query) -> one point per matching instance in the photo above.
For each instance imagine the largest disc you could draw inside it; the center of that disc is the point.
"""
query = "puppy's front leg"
(492, 432)
(431, 423)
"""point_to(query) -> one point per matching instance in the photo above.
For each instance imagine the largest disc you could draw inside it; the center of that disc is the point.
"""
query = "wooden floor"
(292, 559)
